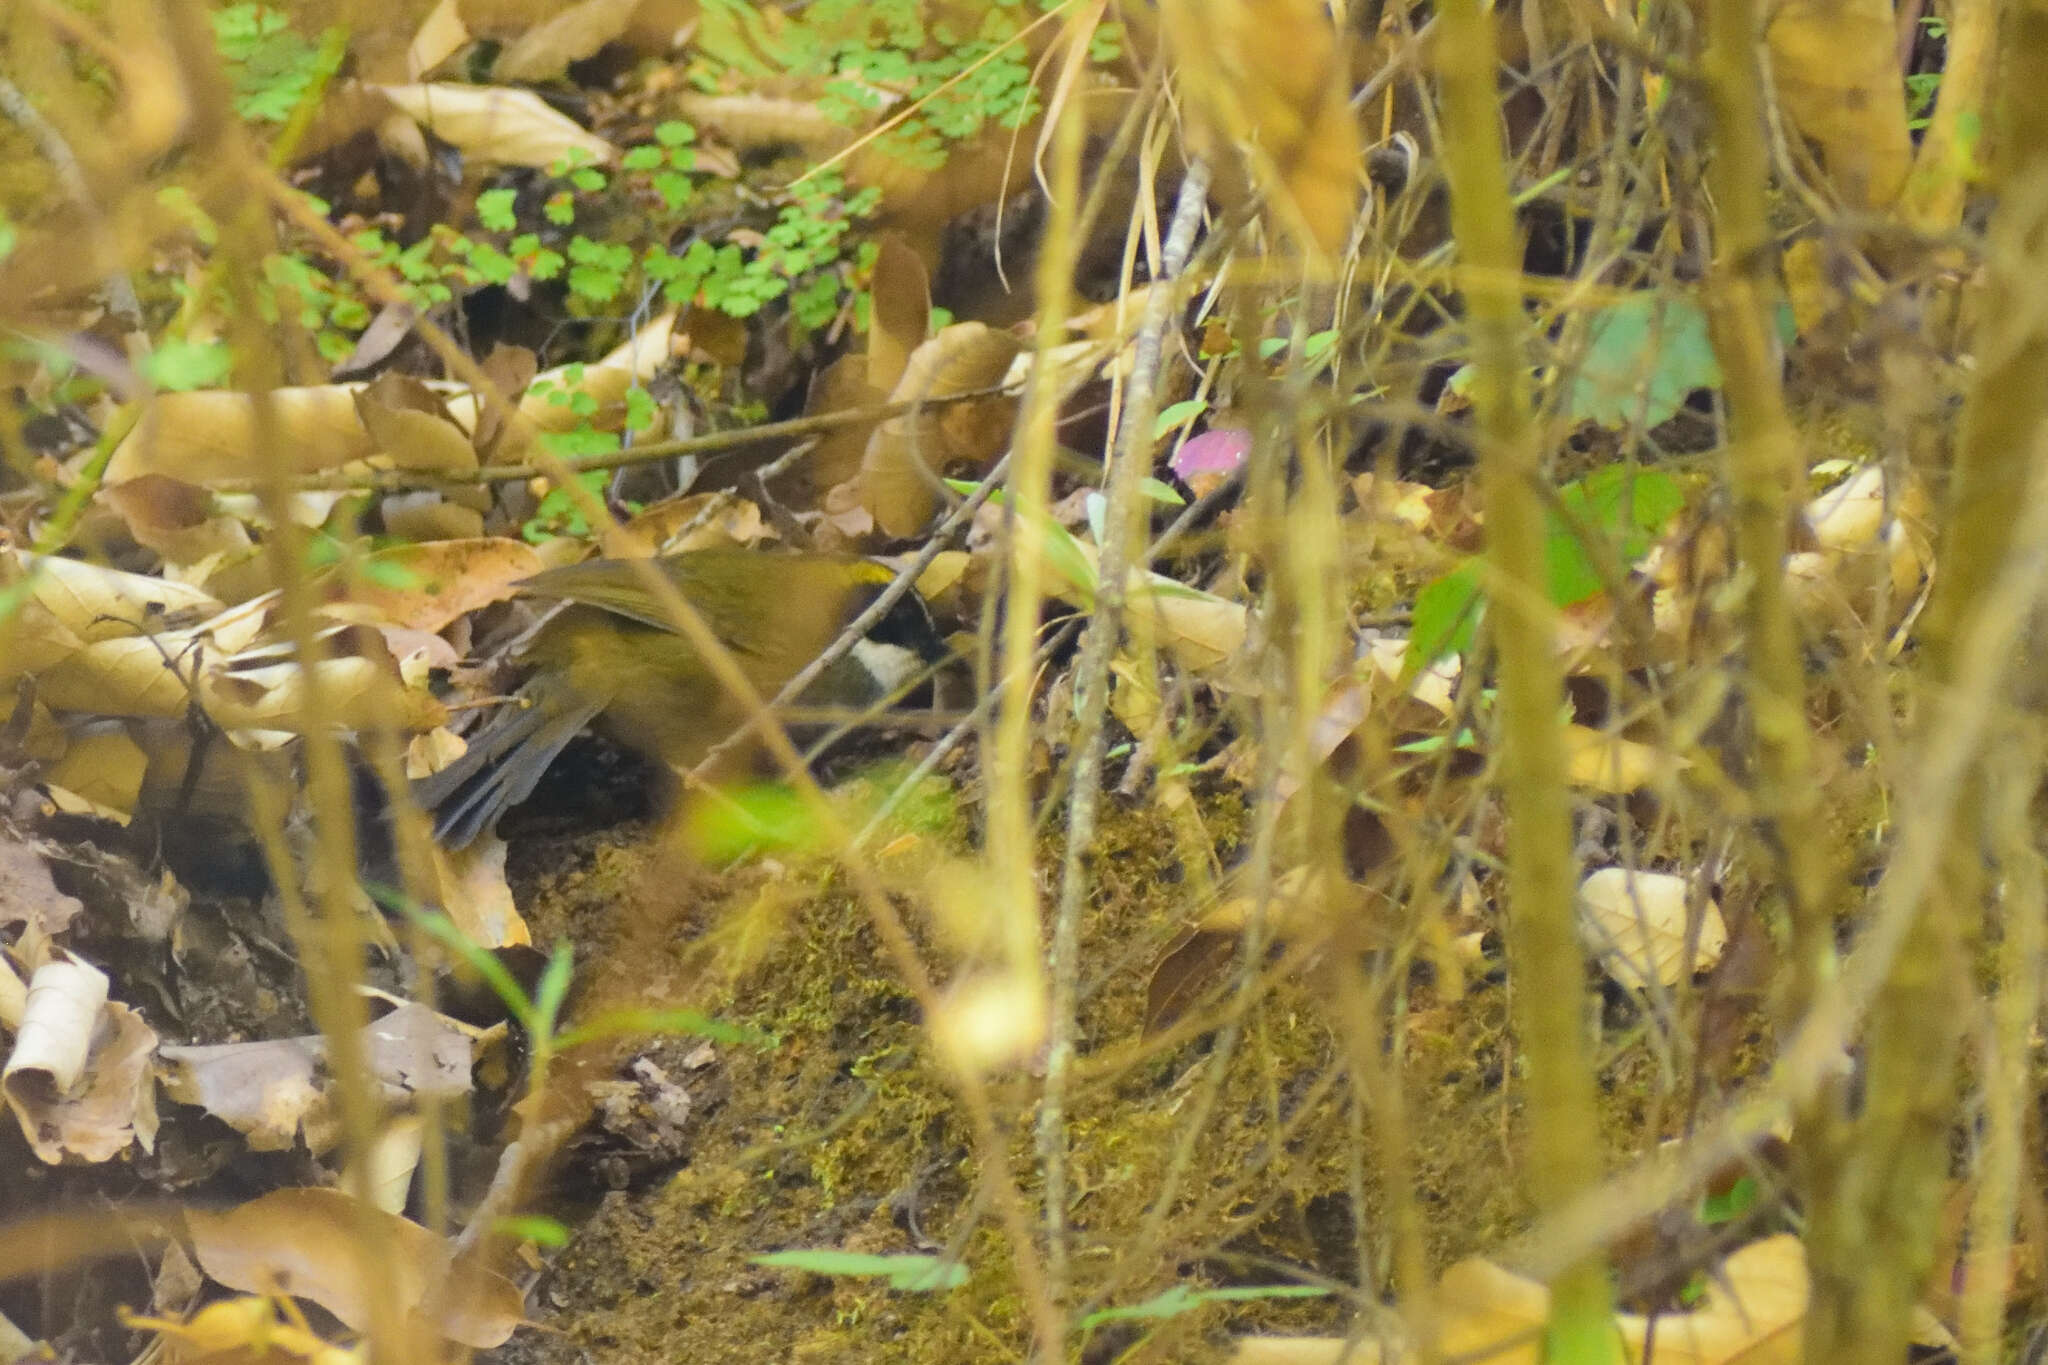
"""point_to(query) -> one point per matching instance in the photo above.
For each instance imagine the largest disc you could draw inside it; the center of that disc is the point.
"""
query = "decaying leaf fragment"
(278, 1091)
(78, 1080)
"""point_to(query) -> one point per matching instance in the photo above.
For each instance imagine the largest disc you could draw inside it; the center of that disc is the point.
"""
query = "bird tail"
(503, 763)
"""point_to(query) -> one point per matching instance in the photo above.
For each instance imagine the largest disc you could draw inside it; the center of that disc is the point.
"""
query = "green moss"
(849, 1134)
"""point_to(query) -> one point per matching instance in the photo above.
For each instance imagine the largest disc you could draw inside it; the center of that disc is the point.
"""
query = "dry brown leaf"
(411, 427)
(268, 1091)
(1608, 763)
(1304, 908)
(178, 520)
(899, 472)
(279, 1090)
(714, 519)
(308, 1243)
(357, 694)
(444, 579)
(548, 402)
(27, 894)
(1269, 79)
(1202, 633)
(1861, 564)
(754, 121)
(78, 1079)
(440, 36)
(901, 312)
(1836, 66)
(97, 603)
(140, 677)
(471, 888)
(496, 126)
(104, 769)
(842, 387)
(544, 51)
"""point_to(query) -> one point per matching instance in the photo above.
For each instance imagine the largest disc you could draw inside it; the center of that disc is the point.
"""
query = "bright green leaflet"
(1629, 508)
(1643, 356)
(912, 1274)
(1179, 1299)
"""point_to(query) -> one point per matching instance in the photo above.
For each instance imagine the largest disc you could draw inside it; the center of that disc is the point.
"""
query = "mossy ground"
(847, 1133)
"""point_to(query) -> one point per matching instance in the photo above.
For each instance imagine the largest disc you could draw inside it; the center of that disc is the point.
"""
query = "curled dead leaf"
(900, 470)
(309, 1243)
(498, 126)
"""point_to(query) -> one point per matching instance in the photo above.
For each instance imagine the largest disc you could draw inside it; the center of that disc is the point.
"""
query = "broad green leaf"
(179, 365)
(1174, 414)
(1643, 356)
(1163, 492)
(1628, 507)
(1447, 613)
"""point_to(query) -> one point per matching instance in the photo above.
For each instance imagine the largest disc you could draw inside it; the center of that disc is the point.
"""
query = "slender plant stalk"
(1007, 763)
(1564, 1145)
(1123, 546)
(1764, 468)
(1988, 1277)
(1895, 1180)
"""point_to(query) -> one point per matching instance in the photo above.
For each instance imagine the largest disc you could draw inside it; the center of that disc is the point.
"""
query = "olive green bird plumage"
(608, 659)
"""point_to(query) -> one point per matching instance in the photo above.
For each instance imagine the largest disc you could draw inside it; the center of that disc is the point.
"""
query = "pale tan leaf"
(711, 519)
(279, 1091)
(471, 888)
(1611, 764)
(211, 434)
(357, 694)
(94, 602)
(411, 427)
(28, 896)
(440, 36)
(180, 521)
(497, 126)
(103, 767)
(79, 1077)
(269, 1091)
(842, 387)
(1750, 1314)
(1203, 633)
(1636, 922)
(547, 403)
